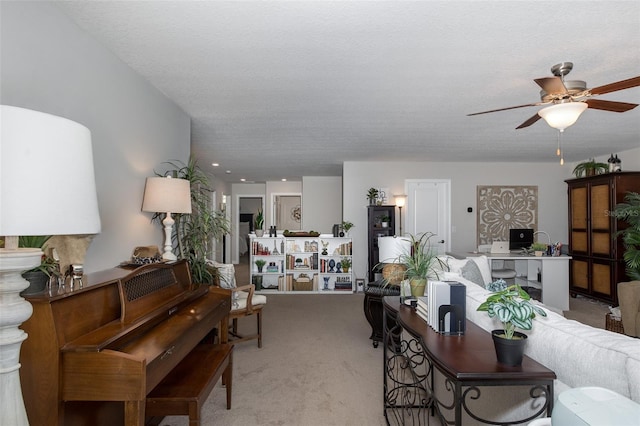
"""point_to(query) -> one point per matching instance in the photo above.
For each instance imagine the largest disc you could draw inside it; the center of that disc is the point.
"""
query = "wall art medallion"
(501, 208)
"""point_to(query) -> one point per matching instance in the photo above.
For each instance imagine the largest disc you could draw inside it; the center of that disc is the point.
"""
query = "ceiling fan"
(567, 99)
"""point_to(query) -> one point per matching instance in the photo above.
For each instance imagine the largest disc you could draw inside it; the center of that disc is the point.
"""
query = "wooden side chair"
(244, 301)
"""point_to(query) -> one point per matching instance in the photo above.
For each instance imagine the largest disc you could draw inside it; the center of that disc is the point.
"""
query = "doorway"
(429, 210)
(248, 207)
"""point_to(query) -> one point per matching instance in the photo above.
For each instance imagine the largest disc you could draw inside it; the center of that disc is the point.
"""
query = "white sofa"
(579, 354)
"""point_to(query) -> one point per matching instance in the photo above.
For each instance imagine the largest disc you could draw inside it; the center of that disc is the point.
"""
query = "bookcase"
(376, 229)
(301, 264)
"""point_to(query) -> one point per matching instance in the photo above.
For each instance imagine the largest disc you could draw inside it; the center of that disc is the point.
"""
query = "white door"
(428, 209)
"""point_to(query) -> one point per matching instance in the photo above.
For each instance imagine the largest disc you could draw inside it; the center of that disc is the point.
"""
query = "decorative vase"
(326, 283)
(385, 224)
(417, 286)
(509, 351)
(260, 269)
(259, 232)
(539, 253)
(37, 282)
(345, 269)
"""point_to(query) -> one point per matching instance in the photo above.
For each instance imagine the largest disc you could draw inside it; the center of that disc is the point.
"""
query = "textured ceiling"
(285, 89)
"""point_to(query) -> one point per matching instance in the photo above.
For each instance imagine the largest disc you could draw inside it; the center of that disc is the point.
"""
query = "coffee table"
(429, 376)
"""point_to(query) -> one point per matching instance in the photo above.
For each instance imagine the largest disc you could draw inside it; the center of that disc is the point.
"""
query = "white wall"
(51, 65)
(321, 203)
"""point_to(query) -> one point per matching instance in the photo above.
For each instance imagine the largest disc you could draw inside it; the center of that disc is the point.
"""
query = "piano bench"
(185, 389)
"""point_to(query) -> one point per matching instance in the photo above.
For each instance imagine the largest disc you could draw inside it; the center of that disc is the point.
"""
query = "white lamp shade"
(47, 182)
(400, 200)
(168, 195)
(561, 116)
(391, 248)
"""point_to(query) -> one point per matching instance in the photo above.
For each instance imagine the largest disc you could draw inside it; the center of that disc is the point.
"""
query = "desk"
(413, 352)
(555, 275)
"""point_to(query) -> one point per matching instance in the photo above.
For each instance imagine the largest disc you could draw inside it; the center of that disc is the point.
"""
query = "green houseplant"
(372, 196)
(193, 233)
(590, 168)
(420, 263)
(40, 275)
(345, 263)
(385, 220)
(260, 264)
(539, 248)
(629, 212)
(259, 223)
(513, 307)
(346, 226)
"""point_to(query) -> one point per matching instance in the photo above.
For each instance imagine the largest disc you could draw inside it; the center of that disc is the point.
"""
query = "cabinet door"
(600, 220)
(580, 273)
(601, 280)
(579, 219)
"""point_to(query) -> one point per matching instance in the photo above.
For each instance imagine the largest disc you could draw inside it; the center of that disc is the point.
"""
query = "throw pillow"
(455, 265)
(485, 267)
(227, 273)
(471, 272)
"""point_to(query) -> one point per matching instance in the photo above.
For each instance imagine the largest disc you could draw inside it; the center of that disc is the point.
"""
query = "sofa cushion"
(484, 266)
(471, 272)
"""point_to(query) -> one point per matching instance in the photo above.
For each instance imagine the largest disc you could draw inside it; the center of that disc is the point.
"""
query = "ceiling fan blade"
(618, 85)
(529, 122)
(610, 105)
(505, 109)
(551, 85)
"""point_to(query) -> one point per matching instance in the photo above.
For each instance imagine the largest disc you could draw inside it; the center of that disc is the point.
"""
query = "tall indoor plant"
(513, 307)
(629, 212)
(194, 232)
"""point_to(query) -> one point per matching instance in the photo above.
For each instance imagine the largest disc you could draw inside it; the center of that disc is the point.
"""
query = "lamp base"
(168, 230)
(15, 310)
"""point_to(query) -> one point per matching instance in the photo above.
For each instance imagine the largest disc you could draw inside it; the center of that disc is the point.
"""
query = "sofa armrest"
(629, 297)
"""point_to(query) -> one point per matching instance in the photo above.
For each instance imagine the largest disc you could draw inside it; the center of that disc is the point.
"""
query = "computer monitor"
(520, 238)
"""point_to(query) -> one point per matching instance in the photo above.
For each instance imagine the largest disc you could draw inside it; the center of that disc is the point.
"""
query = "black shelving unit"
(375, 230)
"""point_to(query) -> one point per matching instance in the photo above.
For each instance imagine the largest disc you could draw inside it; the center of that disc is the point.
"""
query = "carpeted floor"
(317, 365)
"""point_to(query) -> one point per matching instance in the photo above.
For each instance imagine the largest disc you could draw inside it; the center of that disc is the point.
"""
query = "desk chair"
(504, 269)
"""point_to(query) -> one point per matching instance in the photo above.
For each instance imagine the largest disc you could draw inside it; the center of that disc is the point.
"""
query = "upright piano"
(94, 353)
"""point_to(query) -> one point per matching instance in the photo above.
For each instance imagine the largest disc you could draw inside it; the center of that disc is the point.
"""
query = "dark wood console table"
(414, 353)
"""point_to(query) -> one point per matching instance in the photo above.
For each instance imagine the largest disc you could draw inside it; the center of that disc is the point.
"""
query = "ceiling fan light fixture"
(561, 116)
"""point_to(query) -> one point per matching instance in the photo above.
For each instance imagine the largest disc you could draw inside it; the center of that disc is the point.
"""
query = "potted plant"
(194, 232)
(539, 248)
(345, 262)
(513, 307)
(259, 223)
(629, 211)
(385, 221)
(590, 168)
(419, 263)
(40, 275)
(372, 196)
(346, 226)
(260, 264)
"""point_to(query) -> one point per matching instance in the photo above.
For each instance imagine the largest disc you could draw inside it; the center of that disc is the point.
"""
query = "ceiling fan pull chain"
(559, 151)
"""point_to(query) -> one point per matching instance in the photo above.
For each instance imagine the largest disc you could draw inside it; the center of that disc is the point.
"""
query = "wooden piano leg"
(224, 330)
(134, 413)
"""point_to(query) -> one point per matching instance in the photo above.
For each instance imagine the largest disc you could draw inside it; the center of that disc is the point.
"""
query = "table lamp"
(390, 249)
(47, 187)
(167, 195)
